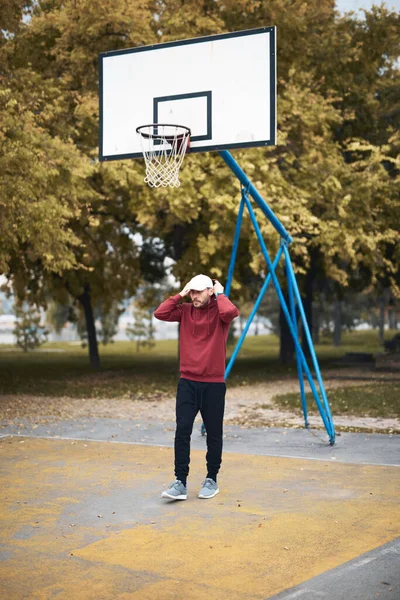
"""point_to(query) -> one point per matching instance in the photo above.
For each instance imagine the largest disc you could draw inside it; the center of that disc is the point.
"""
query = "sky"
(355, 5)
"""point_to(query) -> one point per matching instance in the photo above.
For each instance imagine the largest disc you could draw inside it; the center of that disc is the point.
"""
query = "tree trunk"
(286, 343)
(256, 319)
(307, 305)
(381, 318)
(241, 324)
(337, 323)
(392, 318)
(307, 298)
(86, 302)
(316, 324)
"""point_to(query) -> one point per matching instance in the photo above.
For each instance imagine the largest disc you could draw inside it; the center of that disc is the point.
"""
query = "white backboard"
(222, 87)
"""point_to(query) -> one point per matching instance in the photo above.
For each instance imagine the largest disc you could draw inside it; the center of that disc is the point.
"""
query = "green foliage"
(106, 321)
(109, 323)
(11, 12)
(393, 345)
(142, 329)
(40, 176)
(28, 330)
(57, 315)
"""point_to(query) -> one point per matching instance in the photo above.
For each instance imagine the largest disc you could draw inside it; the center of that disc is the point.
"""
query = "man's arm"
(227, 310)
(171, 309)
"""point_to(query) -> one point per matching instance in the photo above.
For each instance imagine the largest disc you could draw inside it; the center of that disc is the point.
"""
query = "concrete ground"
(81, 515)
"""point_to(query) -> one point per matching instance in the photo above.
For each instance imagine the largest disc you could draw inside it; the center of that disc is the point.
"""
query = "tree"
(41, 178)
(332, 179)
(29, 332)
(52, 65)
(109, 323)
(142, 329)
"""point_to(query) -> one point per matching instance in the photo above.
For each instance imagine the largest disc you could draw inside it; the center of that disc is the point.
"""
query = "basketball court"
(81, 515)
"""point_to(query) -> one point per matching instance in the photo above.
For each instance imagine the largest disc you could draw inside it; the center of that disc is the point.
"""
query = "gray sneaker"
(176, 491)
(209, 488)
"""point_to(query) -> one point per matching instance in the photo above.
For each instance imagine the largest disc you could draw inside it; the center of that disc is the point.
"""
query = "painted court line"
(150, 444)
(391, 551)
(82, 439)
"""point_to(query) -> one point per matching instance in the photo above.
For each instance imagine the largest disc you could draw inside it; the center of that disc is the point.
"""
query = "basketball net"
(163, 147)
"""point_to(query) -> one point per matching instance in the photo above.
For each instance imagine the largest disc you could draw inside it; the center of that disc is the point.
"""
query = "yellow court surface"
(84, 520)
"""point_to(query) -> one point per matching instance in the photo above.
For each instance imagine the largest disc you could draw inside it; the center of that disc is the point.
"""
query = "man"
(204, 326)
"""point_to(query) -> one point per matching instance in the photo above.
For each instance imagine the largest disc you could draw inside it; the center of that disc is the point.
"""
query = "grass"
(64, 370)
(371, 400)
(59, 370)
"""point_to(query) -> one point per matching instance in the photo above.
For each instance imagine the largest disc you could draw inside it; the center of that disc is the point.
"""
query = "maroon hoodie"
(203, 335)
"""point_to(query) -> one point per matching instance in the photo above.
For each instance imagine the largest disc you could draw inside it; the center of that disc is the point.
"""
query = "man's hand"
(218, 288)
(185, 291)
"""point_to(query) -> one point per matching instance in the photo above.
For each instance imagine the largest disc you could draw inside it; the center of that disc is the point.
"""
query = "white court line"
(83, 439)
(394, 548)
(307, 591)
(336, 460)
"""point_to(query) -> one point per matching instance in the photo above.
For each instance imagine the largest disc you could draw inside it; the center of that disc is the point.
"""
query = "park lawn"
(376, 400)
(63, 370)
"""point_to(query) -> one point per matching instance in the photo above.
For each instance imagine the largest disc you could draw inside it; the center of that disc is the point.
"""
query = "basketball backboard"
(223, 87)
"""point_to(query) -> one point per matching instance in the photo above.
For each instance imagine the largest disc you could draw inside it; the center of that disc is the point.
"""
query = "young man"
(203, 334)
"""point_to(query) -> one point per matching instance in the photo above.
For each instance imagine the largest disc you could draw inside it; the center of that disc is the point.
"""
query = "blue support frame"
(294, 309)
(298, 359)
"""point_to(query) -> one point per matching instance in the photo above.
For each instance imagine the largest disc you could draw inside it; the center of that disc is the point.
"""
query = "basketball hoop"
(163, 147)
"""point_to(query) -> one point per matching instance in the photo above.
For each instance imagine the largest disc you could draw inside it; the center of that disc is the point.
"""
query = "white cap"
(200, 283)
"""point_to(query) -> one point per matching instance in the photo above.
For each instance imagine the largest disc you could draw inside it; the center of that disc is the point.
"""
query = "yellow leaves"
(207, 247)
(217, 273)
(40, 176)
(360, 145)
(214, 226)
(332, 183)
(93, 221)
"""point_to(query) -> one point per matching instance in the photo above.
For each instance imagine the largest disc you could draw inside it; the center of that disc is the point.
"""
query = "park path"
(247, 405)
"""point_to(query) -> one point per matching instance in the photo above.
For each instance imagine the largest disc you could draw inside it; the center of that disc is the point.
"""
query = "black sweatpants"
(209, 399)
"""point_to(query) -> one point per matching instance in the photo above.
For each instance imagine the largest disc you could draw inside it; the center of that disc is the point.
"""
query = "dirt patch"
(247, 406)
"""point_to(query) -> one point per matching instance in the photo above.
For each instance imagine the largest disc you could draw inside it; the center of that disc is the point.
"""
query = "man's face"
(202, 298)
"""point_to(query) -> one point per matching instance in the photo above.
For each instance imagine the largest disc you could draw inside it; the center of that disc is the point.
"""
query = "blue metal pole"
(289, 322)
(234, 248)
(298, 361)
(310, 344)
(251, 317)
(259, 200)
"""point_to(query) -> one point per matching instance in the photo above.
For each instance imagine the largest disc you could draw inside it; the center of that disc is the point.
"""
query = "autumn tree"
(332, 178)
(51, 63)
